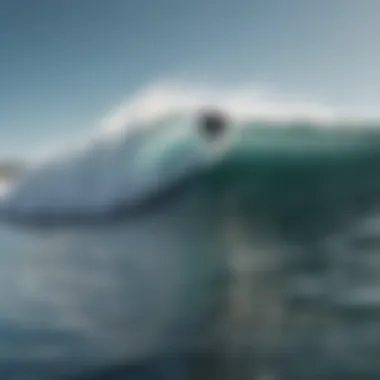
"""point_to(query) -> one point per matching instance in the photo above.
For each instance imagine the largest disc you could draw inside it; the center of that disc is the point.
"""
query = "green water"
(309, 197)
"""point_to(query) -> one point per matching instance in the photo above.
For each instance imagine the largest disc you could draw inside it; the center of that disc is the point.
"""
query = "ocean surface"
(295, 296)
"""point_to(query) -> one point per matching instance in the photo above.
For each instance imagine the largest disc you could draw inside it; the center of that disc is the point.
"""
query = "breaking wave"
(244, 103)
(74, 289)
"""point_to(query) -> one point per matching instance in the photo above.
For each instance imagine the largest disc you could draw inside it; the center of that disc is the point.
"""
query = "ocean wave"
(151, 141)
(156, 103)
(243, 103)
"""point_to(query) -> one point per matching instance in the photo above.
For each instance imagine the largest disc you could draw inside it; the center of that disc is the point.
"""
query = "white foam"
(242, 103)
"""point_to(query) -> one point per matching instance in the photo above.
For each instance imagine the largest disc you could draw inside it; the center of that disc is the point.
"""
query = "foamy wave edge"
(246, 103)
(242, 103)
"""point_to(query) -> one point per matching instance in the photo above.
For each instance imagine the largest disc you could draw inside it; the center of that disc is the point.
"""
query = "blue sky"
(66, 63)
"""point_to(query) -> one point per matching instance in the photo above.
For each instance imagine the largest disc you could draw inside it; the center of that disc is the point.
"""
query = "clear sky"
(66, 63)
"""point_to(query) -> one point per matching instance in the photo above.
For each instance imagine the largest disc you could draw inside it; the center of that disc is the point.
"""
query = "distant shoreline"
(8, 173)
(10, 170)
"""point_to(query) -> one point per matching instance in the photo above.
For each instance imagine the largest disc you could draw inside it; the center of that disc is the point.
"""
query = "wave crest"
(243, 103)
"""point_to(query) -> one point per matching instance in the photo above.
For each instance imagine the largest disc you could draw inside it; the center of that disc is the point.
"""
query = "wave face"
(296, 295)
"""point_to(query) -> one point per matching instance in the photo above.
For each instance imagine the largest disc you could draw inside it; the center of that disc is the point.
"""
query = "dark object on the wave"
(213, 124)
